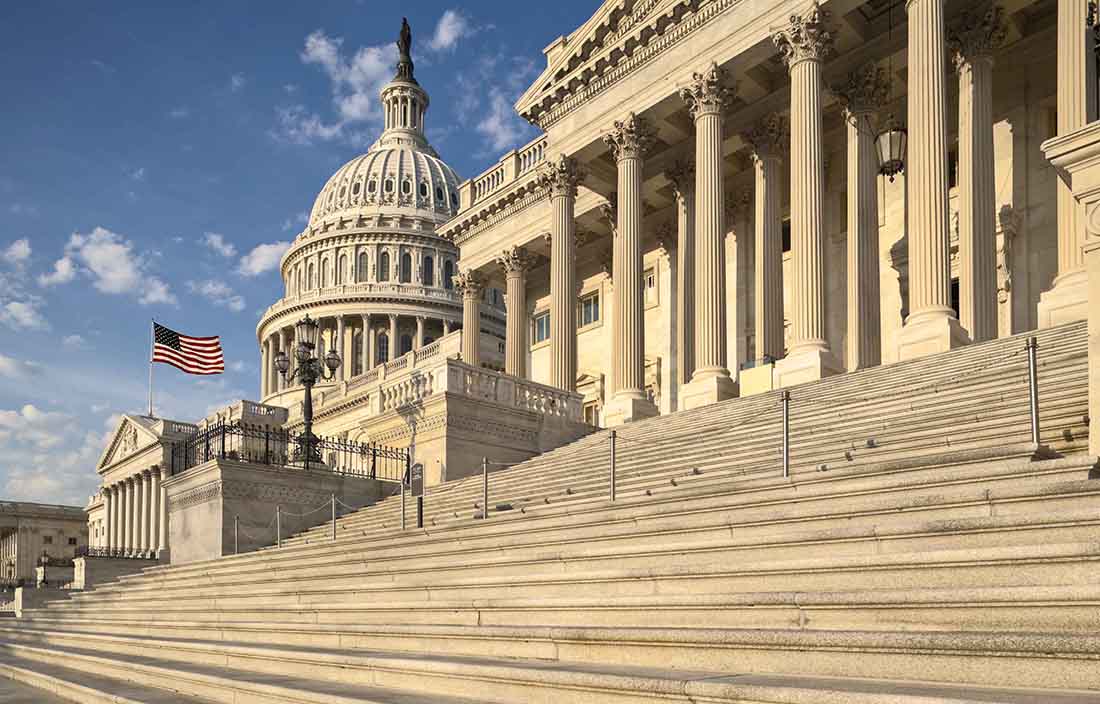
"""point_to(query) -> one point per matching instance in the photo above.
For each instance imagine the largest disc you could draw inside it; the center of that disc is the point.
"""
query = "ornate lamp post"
(309, 371)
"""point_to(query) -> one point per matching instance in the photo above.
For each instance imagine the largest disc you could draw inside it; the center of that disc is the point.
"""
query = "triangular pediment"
(598, 44)
(131, 434)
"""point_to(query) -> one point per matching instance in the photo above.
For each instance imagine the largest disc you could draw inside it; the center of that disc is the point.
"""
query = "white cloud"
(219, 293)
(74, 341)
(31, 425)
(113, 265)
(23, 209)
(138, 174)
(11, 367)
(262, 258)
(485, 98)
(500, 127)
(452, 27)
(63, 272)
(236, 82)
(22, 315)
(300, 218)
(219, 244)
(18, 252)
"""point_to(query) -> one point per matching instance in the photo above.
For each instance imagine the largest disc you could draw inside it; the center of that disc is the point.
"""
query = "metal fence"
(95, 551)
(272, 446)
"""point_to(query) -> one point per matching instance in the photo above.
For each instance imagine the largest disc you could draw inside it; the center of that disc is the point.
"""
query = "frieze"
(199, 495)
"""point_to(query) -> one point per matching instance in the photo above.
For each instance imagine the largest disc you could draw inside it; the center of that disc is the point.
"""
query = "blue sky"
(155, 159)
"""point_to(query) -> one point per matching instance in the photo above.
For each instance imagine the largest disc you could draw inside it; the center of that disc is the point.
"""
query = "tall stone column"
(973, 44)
(515, 262)
(115, 532)
(391, 353)
(162, 506)
(340, 329)
(366, 349)
(1067, 299)
(561, 178)
(682, 177)
(628, 141)
(129, 517)
(471, 283)
(419, 342)
(154, 507)
(706, 97)
(265, 367)
(108, 523)
(864, 92)
(144, 515)
(931, 326)
(446, 326)
(767, 140)
(803, 44)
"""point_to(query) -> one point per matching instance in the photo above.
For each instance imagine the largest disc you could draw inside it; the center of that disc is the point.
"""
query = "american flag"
(194, 355)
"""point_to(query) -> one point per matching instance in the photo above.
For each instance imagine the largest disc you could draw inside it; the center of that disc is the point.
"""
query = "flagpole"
(151, 342)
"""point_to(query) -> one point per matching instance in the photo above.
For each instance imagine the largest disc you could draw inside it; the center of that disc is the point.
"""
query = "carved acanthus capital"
(561, 176)
(682, 177)
(630, 138)
(515, 261)
(806, 36)
(707, 93)
(769, 136)
(977, 34)
(470, 283)
(866, 90)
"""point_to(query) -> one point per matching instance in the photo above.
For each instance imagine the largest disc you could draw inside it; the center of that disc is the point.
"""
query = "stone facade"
(29, 531)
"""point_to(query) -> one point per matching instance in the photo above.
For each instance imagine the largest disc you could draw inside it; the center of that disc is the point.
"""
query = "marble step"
(73, 685)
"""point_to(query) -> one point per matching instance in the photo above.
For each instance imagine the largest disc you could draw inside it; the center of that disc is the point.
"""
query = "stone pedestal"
(757, 379)
(806, 365)
(707, 389)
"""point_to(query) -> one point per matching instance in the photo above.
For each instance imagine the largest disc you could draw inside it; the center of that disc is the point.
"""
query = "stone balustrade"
(513, 165)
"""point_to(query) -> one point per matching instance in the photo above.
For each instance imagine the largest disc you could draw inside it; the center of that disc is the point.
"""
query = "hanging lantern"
(891, 145)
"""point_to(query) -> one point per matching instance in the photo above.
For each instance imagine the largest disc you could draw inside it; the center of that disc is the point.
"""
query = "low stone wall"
(207, 503)
(92, 571)
(53, 575)
(28, 598)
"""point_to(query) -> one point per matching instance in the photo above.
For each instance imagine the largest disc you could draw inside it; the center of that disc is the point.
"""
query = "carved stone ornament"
(806, 36)
(630, 138)
(469, 282)
(1010, 222)
(682, 177)
(127, 441)
(515, 260)
(707, 93)
(865, 90)
(561, 176)
(977, 34)
(768, 136)
(608, 210)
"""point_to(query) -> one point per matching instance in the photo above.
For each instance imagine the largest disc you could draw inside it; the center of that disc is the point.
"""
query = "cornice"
(515, 202)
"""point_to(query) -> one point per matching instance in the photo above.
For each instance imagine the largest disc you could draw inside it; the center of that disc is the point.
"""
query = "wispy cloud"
(218, 244)
(18, 252)
(113, 265)
(138, 174)
(237, 81)
(262, 258)
(300, 218)
(179, 113)
(452, 27)
(76, 342)
(219, 293)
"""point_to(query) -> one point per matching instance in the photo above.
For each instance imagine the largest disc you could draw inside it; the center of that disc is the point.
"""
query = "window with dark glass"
(406, 268)
(589, 308)
(428, 272)
(406, 344)
(382, 349)
(542, 327)
(448, 274)
(384, 266)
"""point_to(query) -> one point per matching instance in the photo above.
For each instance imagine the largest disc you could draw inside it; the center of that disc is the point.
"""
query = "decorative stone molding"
(199, 495)
(806, 37)
(608, 212)
(682, 177)
(977, 34)
(630, 138)
(515, 261)
(865, 90)
(707, 92)
(469, 282)
(769, 136)
(562, 177)
(1010, 222)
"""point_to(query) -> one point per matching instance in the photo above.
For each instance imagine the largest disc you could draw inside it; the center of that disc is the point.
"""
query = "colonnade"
(136, 510)
(340, 329)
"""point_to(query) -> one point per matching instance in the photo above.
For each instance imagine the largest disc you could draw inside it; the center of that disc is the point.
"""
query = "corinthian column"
(108, 521)
(365, 351)
(803, 44)
(515, 262)
(706, 96)
(265, 367)
(280, 382)
(144, 514)
(391, 353)
(628, 141)
(162, 507)
(682, 177)
(561, 178)
(1067, 300)
(340, 327)
(973, 44)
(862, 94)
(470, 283)
(931, 326)
(767, 140)
(115, 532)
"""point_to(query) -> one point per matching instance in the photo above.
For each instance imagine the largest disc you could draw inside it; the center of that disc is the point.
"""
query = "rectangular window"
(649, 281)
(542, 327)
(72, 541)
(592, 413)
(590, 308)
(48, 539)
(787, 235)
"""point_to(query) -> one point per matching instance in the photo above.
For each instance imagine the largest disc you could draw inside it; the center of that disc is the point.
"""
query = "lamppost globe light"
(306, 329)
(332, 360)
(282, 363)
(303, 352)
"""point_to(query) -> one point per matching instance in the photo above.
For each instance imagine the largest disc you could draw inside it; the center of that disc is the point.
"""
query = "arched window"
(297, 280)
(361, 271)
(324, 273)
(406, 187)
(448, 274)
(406, 344)
(384, 266)
(341, 268)
(382, 349)
(428, 272)
(406, 268)
(311, 282)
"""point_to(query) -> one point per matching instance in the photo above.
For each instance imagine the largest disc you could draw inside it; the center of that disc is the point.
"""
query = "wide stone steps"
(72, 685)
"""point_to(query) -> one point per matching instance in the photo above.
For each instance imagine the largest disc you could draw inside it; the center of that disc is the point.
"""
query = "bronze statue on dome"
(404, 47)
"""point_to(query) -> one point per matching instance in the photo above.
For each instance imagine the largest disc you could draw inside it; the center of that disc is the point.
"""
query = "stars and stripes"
(194, 355)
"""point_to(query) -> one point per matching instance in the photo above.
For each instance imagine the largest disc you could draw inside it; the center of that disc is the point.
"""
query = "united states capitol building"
(768, 373)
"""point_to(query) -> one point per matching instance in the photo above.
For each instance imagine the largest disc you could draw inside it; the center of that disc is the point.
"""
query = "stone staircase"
(923, 550)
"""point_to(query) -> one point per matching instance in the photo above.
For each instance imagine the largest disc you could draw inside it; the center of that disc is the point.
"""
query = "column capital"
(682, 177)
(393, 317)
(515, 261)
(806, 36)
(976, 35)
(561, 176)
(470, 283)
(768, 136)
(630, 138)
(865, 90)
(708, 92)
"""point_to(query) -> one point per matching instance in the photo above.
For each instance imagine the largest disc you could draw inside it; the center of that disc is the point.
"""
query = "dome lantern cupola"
(404, 102)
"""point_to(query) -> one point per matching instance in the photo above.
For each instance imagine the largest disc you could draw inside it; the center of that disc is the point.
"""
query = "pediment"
(132, 434)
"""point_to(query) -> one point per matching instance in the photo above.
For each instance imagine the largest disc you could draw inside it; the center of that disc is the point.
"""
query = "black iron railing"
(120, 553)
(263, 445)
(50, 561)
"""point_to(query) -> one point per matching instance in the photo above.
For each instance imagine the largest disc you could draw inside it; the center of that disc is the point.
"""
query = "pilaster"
(682, 177)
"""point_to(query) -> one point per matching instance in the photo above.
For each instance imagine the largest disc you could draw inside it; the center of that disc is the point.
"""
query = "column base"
(627, 409)
(1066, 301)
(930, 334)
(757, 379)
(806, 365)
(708, 388)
